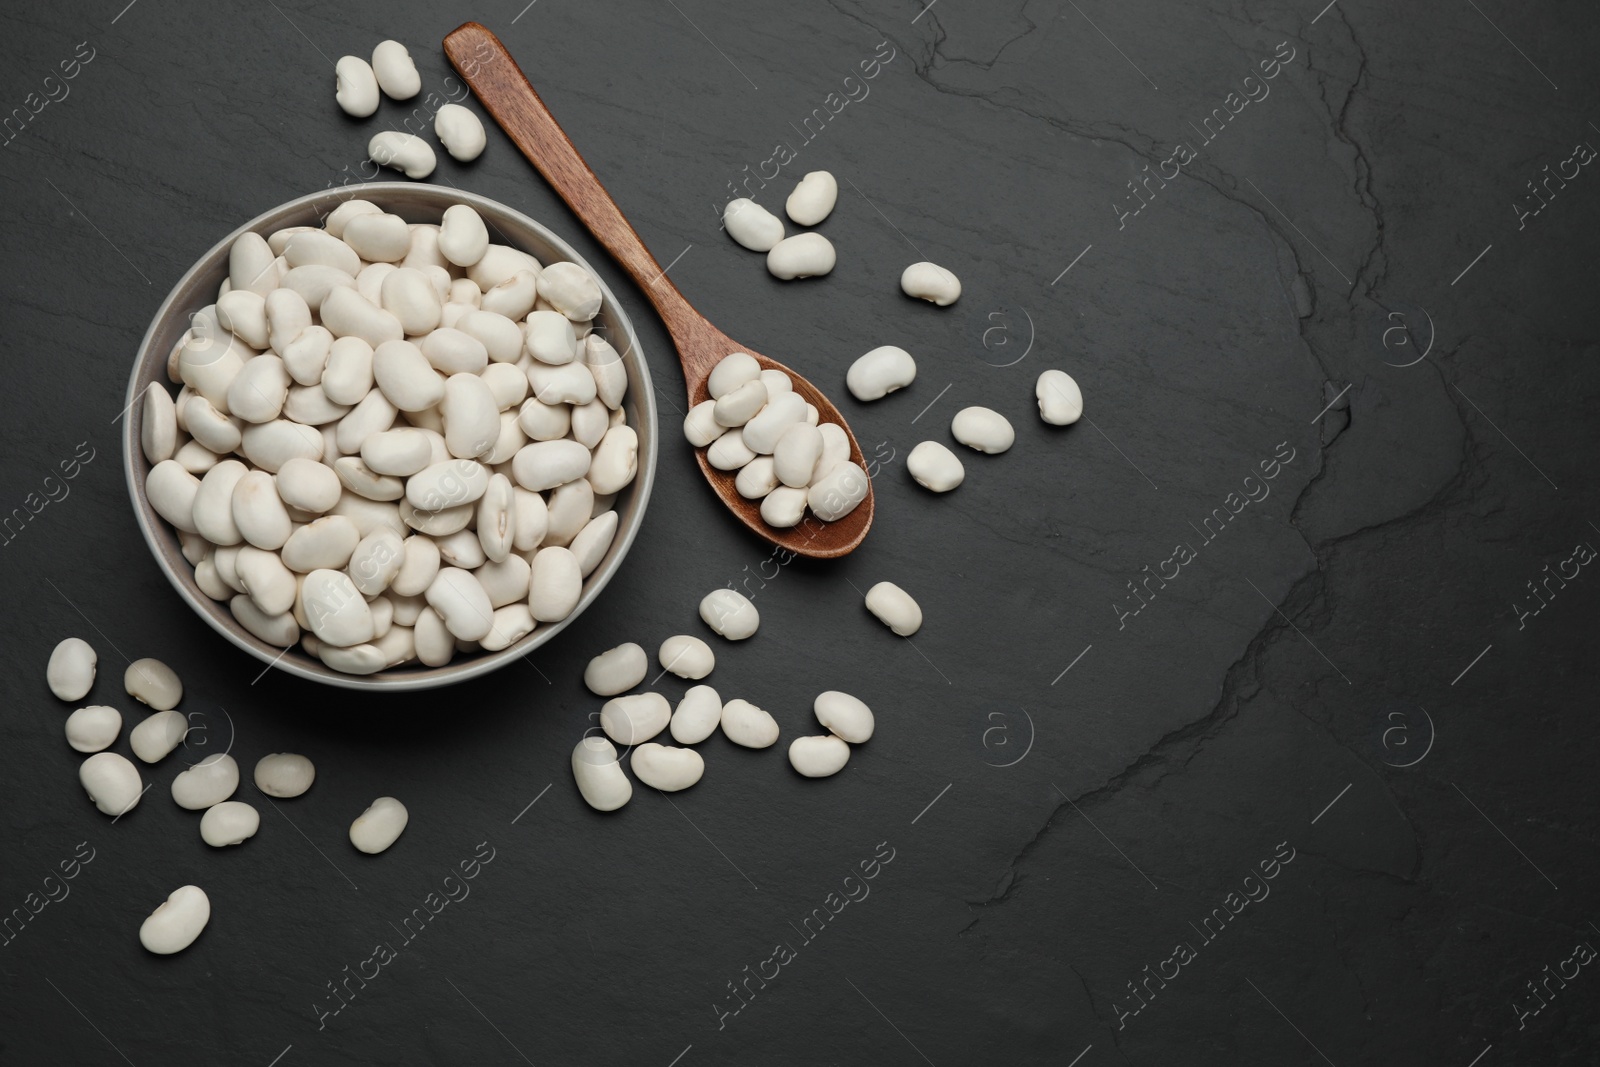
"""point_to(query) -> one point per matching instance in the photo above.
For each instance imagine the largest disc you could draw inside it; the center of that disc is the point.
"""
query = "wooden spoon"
(503, 89)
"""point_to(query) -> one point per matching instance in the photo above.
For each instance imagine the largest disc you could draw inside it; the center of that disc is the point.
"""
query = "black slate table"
(1191, 762)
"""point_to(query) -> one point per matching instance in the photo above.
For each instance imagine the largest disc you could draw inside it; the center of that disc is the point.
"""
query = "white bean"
(269, 445)
(730, 613)
(935, 467)
(818, 757)
(838, 493)
(355, 86)
(761, 433)
(795, 456)
(747, 725)
(555, 584)
(347, 377)
(729, 452)
(752, 225)
(740, 406)
(697, 715)
(845, 716)
(546, 464)
(458, 598)
(152, 682)
(632, 720)
(471, 417)
(571, 290)
(514, 298)
(686, 656)
(551, 339)
(880, 372)
(211, 781)
(452, 483)
(334, 609)
(252, 264)
(700, 426)
(615, 460)
(592, 543)
(983, 430)
(346, 313)
(71, 669)
(379, 826)
(93, 728)
(284, 774)
(155, 738)
(463, 237)
(111, 782)
(323, 544)
(404, 152)
(732, 371)
(268, 583)
(395, 71)
(930, 282)
(665, 768)
(340, 216)
(171, 491)
(1060, 399)
(597, 770)
(177, 922)
(497, 515)
(813, 198)
(784, 507)
(616, 670)
(805, 255)
(756, 479)
(379, 237)
(894, 608)
(460, 131)
(258, 511)
(229, 823)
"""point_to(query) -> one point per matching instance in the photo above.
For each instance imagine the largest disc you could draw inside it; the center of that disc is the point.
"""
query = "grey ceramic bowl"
(415, 203)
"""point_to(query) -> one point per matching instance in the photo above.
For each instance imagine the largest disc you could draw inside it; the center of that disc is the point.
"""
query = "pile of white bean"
(633, 719)
(756, 424)
(429, 439)
(114, 785)
(356, 87)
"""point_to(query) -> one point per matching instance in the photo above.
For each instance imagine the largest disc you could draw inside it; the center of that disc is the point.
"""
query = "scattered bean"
(752, 225)
(747, 725)
(616, 670)
(152, 682)
(686, 656)
(111, 781)
(805, 255)
(93, 728)
(894, 608)
(665, 768)
(730, 613)
(1060, 399)
(983, 430)
(818, 757)
(284, 774)
(697, 715)
(229, 823)
(379, 826)
(880, 372)
(930, 282)
(71, 669)
(395, 71)
(177, 922)
(404, 152)
(154, 738)
(460, 132)
(211, 781)
(935, 467)
(844, 716)
(632, 720)
(598, 773)
(813, 198)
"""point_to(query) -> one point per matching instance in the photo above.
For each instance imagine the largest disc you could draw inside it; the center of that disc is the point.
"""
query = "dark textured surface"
(1353, 638)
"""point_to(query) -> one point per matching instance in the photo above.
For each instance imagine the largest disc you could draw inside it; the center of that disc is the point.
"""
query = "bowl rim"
(293, 660)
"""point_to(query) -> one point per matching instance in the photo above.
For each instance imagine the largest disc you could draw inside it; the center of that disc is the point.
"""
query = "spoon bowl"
(505, 93)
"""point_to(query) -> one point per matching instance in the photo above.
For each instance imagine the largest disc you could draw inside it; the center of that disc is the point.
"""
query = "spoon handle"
(504, 91)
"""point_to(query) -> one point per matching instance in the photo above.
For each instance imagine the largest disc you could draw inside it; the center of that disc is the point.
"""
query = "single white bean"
(155, 738)
(756, 479)
(458, 598)
(592, 543)
(752, 225)
(665, 768)
(463, 237)
(930, 282)
(813, 198)
(686, 656)
(258, 511)
(379, 826)
(152, 682)
(111, 781)
(404, 152)
(511, 624)
(634, 719)
(1060, 399)
(784, 410)
(880, 372)
(419, 567)
(158, 426)
(697, 715)
(795, 456)
(211, 781)
(838, 493)
(497, 515)
(845, 716)
(597, 770)
(740, 406)
(818, 757)
(730, 613)
(268, 583)
(935, 467)
(93, 728)
(732, 371)
(729, 452)
(347, 377)
(747, 725)
(355, 86)
(177, 922)
(334, 608)
(323, 544)
(229, 823)
(546, 464)
(700, 426)
(571, 290)
(375, 562)
(805, 255)
(269, 445)
(616, 670)
(615, 461)
(982, 429)
(340, 216)
(554, 584)
(284, 774)
(784, 507)
(460, 132)
(894, 608)
(171, 491)
(471, 416)
(71, 669)
(395, 71)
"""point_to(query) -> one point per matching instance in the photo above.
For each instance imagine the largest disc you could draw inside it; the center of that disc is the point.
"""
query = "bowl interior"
(414, 203)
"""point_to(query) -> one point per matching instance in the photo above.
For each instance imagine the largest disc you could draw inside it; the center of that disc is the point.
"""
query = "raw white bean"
(805, 255)
(835, 450)
(729, 613)
(334, 609)
(894, 608)
(379, 237)
(280, 631)
(245, 314)
(700, 426)
(555, 584)
(738, 407)
(379, 826)
(213, 503)
(71, 669)
(795, 456)
(218, 432)
(597, 770)
(756, 479)
(258, 511)
(570, 508)
(615, 460)
(419, 567)
(460, 131)
(592, 542)
(158, 428)
(930, 282)
(152, 682)
(818, 757)
(409, 295)
(732, 371)
(761, 433)
(171, 491)
(471, 417)
(616, 670)
(375, 562)
(211, 781)
(349, 209)
(784, 507)
(405, 376)
(505, 381)
(346, 313)
(269, 584)
(208, 365)
(93, 728)
(729, 452)
(747, 725)
(935, 467)
(154, 738)
(838, 493)
(312, 282)
(435, 644)
(571, 290)
(229, 823)
(514, 298)
(400, 453)
(551, 339)
(355, 86)
(177, 922)
(686, 656)
(697, 715)
(1060, 399)
(752, 225)
(463, 237)
(462, 548)
(324, 544)
(496, 516)
(511, 624)
(195, 458)
(269, 445)
(111, 782)
(812, 199)
(252, 264)
(632, 720)
(458, 598)
(498, 263)
(982, 429)
(308, 404)
(284, 774)
(347, 378)
(546, 464)
(845, 716)
(571, 384)
(319, 246)
(665, 768)
(453, 483)
(395, 71)
(880, 372)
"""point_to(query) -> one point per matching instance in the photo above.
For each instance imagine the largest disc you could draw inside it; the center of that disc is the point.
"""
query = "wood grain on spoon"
(504, 91)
